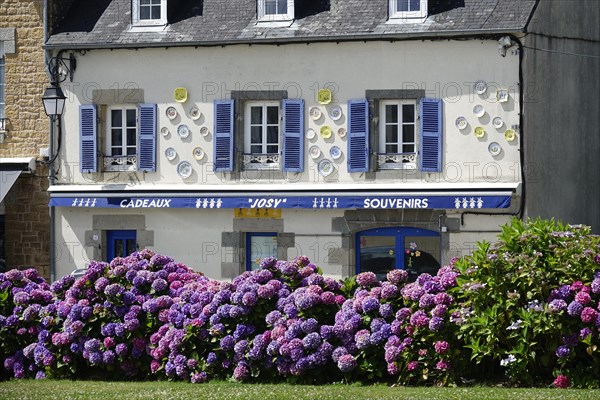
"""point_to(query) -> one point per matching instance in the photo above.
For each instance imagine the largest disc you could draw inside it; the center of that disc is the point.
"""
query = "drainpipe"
(51, 180)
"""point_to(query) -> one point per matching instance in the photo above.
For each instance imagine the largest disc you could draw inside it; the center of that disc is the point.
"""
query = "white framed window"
(398, 129)
(149, 12)
(411, 11)
(275, 10)
(121, 139)
(2, 86)
(262, 131)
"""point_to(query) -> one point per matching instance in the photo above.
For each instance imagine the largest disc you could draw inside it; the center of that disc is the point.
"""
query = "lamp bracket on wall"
(61, 67)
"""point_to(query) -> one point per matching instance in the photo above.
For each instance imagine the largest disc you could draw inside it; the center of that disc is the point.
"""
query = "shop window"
(258, 247)
(120, 243)
(415, 250)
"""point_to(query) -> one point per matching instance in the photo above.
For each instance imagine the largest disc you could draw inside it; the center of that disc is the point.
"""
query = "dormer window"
(149, 12)
(275, 10)
(409, 11)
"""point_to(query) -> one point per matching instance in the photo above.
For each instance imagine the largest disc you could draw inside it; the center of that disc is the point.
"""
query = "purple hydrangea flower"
(366, 279)
(346, 363)
(574, 308)
(562, 351)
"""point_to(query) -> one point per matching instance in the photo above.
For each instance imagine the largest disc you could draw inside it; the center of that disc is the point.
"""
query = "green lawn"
(67, 390)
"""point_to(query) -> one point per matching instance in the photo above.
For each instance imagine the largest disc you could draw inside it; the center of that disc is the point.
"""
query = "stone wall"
(26, 205)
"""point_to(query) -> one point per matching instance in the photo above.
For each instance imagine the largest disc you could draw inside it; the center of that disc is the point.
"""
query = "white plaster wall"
(191, 237)
(445, 69)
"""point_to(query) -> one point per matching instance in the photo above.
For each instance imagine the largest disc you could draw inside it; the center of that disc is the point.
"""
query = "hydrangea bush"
(508, 324)
(528, 306)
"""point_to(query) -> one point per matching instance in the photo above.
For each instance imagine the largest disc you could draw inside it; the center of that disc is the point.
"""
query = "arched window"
(412, 249)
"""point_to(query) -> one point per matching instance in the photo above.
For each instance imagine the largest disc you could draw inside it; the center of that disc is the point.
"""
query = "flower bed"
(528, 306)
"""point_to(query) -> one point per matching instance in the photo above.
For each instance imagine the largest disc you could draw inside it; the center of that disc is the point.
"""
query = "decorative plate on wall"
(502, 95)
(335, 152)
(315, 152)
(180, 95)
(494, 148)
(497, 122)
(510, 135)
(315, 113)
(342, 132)
(195, 113)
(198, 153)
(310, 134)
(184, 169)
(335, 113)
(171, 113)
(478, 110)
(183, 131)
(480, 87)
(461, 123)
(479, 132)
(325, 167)
(324, 96)
(170, 153)
(204, 131)
(325, 132)
(164, 131)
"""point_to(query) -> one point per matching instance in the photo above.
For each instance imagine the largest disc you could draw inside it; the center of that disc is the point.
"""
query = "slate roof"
(107, 23)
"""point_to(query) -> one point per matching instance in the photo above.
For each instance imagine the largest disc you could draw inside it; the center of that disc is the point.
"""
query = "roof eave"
(288, 40)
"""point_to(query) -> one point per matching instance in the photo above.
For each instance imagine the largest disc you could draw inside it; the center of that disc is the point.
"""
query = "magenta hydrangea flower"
(346, 363)
(366, 279)
(412, 365)
(562, 382)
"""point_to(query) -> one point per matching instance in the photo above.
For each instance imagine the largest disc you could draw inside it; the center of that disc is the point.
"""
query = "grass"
(79, 390)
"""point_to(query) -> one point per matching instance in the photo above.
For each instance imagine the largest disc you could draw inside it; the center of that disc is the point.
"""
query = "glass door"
(120, 243)
(413, 249)
(258, 247)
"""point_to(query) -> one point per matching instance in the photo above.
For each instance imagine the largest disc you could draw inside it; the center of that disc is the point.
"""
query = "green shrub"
(502, 292)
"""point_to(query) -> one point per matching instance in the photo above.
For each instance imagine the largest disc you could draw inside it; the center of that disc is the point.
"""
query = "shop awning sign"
(336, 201)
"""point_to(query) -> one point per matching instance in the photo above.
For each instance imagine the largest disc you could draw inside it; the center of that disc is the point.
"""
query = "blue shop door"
(383, 249)
(120, 243)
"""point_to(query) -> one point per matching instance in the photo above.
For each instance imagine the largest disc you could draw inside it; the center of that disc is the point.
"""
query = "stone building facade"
(24, 218)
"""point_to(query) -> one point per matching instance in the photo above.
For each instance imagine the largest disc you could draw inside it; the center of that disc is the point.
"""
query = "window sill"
(274, 23)
(143, 27)
(402, 19)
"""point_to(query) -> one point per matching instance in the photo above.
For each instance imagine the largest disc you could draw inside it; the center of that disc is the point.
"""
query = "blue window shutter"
(431, 135)
(293, 135)
(147, 137)
(223, 148)
(358, 135)
(88, 154)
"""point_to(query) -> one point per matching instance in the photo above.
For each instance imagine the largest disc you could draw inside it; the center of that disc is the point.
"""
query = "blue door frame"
(400, 234)
(113, 237)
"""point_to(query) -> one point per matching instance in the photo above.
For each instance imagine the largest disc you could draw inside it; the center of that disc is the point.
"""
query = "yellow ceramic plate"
(509, 135)
(479, 132)
(180, 94)
(324, 96)
(325, 132)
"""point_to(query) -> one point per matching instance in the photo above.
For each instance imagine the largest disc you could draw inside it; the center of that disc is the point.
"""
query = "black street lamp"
(54, 101)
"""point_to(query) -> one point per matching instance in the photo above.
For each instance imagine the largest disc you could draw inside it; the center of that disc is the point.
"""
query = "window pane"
(155, 14)
(282, 6)
(378, 254)
(119, 248)
(272, 134)
(116, 137)
(408, 148)
(272, 115)
(116, 151)
(391, 148)
(391, 113)
(421, 254)
(261, 247)
(273, 149)
(391, 133)
(116, 118)
(255, 115)
(131, 247)
(256, 149)
(256, 134)
(270, 7)
(415, 5)
(131, 137)
(408, 133)
(131, 118)
(402, 5)
(144, 12)
(408, 113)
